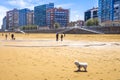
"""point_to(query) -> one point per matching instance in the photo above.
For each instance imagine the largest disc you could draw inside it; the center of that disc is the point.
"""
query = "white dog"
(81, 65)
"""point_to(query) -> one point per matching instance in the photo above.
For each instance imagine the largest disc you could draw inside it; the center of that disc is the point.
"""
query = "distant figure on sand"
(2, 34)
(6, 36)
(64, 35)
(57, 36)
(12, 36)
(61, 37)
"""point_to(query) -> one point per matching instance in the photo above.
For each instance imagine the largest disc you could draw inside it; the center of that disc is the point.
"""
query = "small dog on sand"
(81, 65)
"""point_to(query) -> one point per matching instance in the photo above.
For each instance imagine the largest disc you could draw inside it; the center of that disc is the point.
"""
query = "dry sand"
(40, 57)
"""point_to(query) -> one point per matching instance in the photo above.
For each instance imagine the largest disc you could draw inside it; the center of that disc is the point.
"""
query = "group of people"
(12, 36)
(61, 36)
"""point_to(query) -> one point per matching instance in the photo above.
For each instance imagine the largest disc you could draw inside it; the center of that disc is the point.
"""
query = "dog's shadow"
(80, 71)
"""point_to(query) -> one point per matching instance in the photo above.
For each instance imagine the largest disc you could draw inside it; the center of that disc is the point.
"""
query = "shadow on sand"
(80, 71)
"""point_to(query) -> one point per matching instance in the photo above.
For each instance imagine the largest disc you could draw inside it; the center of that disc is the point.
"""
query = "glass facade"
(23, 17)
(109, 10)
(87, 15)
(116, 10)
(91, 13)
(30, 18)
(4, 23)
(40, 14)
(57, 15)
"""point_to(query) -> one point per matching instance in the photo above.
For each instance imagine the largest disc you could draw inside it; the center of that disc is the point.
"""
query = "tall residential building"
(57, 15)
(91, 13)
(4, 23)
(40, 14)
(109, 10)
(23, 16)
(30, 18)
(116, 10)
(12, 19)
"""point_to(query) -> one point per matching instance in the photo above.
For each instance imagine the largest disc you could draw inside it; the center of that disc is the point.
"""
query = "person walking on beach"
(64, 34)
(57, 36)
(12, 36)
(6, 36)
(61, 37)
(2, 34)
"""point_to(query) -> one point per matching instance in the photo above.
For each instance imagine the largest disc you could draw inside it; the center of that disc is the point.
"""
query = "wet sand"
(40, 57)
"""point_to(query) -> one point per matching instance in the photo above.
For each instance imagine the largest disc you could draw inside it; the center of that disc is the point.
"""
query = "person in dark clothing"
(6, 36)
(57, 36)
(61, 37)
(12, 36)
(64, 35)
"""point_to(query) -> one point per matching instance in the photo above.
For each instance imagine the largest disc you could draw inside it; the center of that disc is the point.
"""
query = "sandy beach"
(40, 57)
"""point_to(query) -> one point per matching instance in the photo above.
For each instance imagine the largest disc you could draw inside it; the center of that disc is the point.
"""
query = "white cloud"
(21, 3)
(2, 14)
(27, 3)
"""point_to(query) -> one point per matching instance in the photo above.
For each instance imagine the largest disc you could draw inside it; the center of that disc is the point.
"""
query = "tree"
(56, 25)
(96, 22)
(29, 27)
(92, 22)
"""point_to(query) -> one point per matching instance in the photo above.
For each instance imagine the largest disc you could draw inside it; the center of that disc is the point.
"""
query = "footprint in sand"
(57, 75)
(101, 73)
(34, 64)
(53, 62)
(97, 73)
(117, 59)
(63, 69)
(61, 77)
(88, 75)
(54, 65)
(115, 69)
(16, 75)
(108, 72)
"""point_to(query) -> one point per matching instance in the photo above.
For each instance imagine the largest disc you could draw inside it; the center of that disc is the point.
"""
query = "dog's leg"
(85, 68)
(78, 68)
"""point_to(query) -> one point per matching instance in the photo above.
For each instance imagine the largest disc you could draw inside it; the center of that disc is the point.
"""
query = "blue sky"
(77, 7)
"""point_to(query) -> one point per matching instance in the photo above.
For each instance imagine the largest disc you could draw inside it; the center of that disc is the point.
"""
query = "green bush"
(92, 22)
(29, 27)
